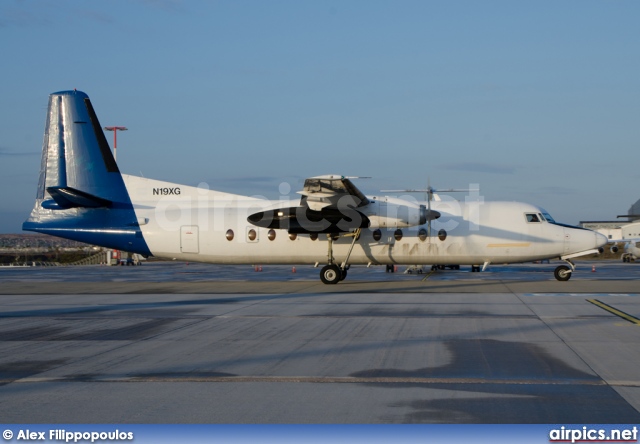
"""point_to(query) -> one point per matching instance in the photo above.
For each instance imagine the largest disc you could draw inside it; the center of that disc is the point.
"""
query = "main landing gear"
(332, 273)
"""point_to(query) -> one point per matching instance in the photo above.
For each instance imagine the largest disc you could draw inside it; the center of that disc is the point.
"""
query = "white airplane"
(631, 240)
(631, 251)
(83, 196)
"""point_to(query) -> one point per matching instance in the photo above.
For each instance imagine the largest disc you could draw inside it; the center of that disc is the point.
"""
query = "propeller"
(428, 194)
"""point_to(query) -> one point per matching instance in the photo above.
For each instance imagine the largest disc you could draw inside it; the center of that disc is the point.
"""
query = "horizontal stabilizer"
(67, 197)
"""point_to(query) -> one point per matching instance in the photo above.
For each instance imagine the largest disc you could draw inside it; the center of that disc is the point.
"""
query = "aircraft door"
(189, 242)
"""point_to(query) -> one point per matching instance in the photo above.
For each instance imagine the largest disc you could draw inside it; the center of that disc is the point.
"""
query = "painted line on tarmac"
(310, 380)
(581, 294)
(615, 311)
(428, 275)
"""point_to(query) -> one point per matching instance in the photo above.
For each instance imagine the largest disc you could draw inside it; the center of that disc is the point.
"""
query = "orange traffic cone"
(293, 270)
(593, 269)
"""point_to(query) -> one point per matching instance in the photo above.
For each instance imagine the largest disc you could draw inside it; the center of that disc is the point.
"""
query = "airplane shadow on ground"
(503, 380)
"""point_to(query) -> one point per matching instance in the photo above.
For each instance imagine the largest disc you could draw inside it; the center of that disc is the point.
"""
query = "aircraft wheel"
(330, 274)
(562, 273)
(343, 274)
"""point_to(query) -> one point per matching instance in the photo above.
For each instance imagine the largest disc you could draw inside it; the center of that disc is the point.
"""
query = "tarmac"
(195, 343)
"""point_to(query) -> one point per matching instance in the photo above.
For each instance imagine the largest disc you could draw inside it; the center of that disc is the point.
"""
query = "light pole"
(115, 130)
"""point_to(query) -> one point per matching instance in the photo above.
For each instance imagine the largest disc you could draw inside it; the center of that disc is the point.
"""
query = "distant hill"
(29, 248)
(37, 242)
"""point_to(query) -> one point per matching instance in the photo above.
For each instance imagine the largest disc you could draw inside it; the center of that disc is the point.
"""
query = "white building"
(631, 231)
(618, 229)
(611, 229)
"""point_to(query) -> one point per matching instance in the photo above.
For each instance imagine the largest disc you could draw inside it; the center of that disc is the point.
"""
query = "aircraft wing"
(623, 240)
(329, 204)
(331, 191)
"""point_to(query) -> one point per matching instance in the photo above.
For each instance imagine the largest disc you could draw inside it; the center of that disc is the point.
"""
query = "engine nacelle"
(379, 213)
(397, 213)
(614, 249)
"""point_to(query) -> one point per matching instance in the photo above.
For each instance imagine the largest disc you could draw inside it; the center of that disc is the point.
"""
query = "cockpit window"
(532, 217)
(541, 217)
(548, 217)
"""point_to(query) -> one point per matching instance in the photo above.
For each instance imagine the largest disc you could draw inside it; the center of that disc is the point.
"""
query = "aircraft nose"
(580, 239)
(601, 239)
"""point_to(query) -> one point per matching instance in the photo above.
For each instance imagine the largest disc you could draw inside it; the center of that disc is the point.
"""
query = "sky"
(534, 101)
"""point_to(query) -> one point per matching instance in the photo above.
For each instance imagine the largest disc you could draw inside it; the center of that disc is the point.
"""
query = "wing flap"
(331, 190)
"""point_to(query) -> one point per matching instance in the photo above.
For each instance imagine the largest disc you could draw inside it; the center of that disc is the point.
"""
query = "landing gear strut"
(332, 273)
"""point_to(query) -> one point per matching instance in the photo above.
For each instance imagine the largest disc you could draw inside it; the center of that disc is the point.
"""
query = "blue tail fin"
(81, 194)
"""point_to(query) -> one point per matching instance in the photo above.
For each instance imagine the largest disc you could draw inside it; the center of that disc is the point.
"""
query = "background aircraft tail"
(81, 194)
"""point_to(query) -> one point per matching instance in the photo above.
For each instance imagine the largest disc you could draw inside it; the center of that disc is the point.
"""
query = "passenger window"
(532, 217)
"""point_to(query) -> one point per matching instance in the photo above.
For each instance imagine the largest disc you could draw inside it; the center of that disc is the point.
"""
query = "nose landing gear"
(563, 273)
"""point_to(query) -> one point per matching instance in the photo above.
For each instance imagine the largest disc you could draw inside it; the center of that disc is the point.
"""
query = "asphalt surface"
(178, 343)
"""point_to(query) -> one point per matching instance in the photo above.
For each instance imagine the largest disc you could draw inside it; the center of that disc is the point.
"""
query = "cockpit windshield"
(548, 217)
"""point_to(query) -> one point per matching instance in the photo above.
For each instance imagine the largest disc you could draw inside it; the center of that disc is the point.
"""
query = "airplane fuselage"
(196, 224)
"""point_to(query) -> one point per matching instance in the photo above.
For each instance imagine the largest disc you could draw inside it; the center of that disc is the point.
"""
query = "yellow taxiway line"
(615, 311)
